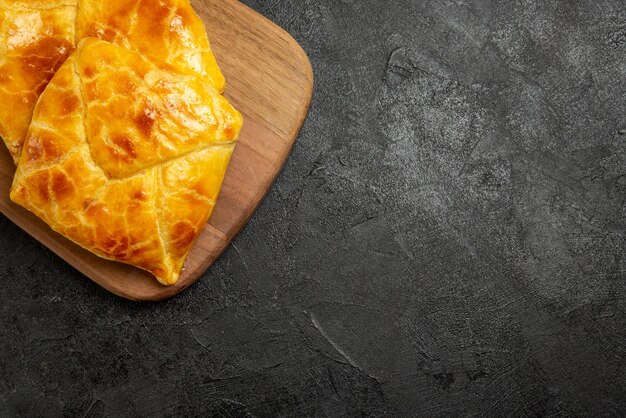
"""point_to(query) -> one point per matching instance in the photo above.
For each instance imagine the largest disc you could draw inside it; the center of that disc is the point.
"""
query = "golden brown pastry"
(165, 30)
(36, 36)
(126, 157)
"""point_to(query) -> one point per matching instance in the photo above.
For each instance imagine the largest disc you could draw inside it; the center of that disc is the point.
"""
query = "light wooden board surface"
(269, 79)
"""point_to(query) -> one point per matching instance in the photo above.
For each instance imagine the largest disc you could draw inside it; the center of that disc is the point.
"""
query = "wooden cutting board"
(269, 79)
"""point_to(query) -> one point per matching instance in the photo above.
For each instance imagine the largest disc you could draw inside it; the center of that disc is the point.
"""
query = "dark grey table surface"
(447, 238)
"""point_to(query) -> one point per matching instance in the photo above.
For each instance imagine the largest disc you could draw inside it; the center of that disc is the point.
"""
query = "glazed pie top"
(126, 156)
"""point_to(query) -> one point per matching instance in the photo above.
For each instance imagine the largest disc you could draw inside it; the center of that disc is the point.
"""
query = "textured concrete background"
(447, 238)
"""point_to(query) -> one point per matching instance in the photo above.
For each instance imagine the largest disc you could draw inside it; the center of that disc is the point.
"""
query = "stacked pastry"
(113, 113)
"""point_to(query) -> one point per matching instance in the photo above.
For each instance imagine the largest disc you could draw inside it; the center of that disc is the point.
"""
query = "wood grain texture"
(269, 79)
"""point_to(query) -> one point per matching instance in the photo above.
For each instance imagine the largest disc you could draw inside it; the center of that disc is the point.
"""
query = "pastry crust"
(35, 39)
(126, 156)
(36, 36)
(165, 30)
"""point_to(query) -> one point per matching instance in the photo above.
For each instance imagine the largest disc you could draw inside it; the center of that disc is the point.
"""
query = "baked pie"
(125, 156)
